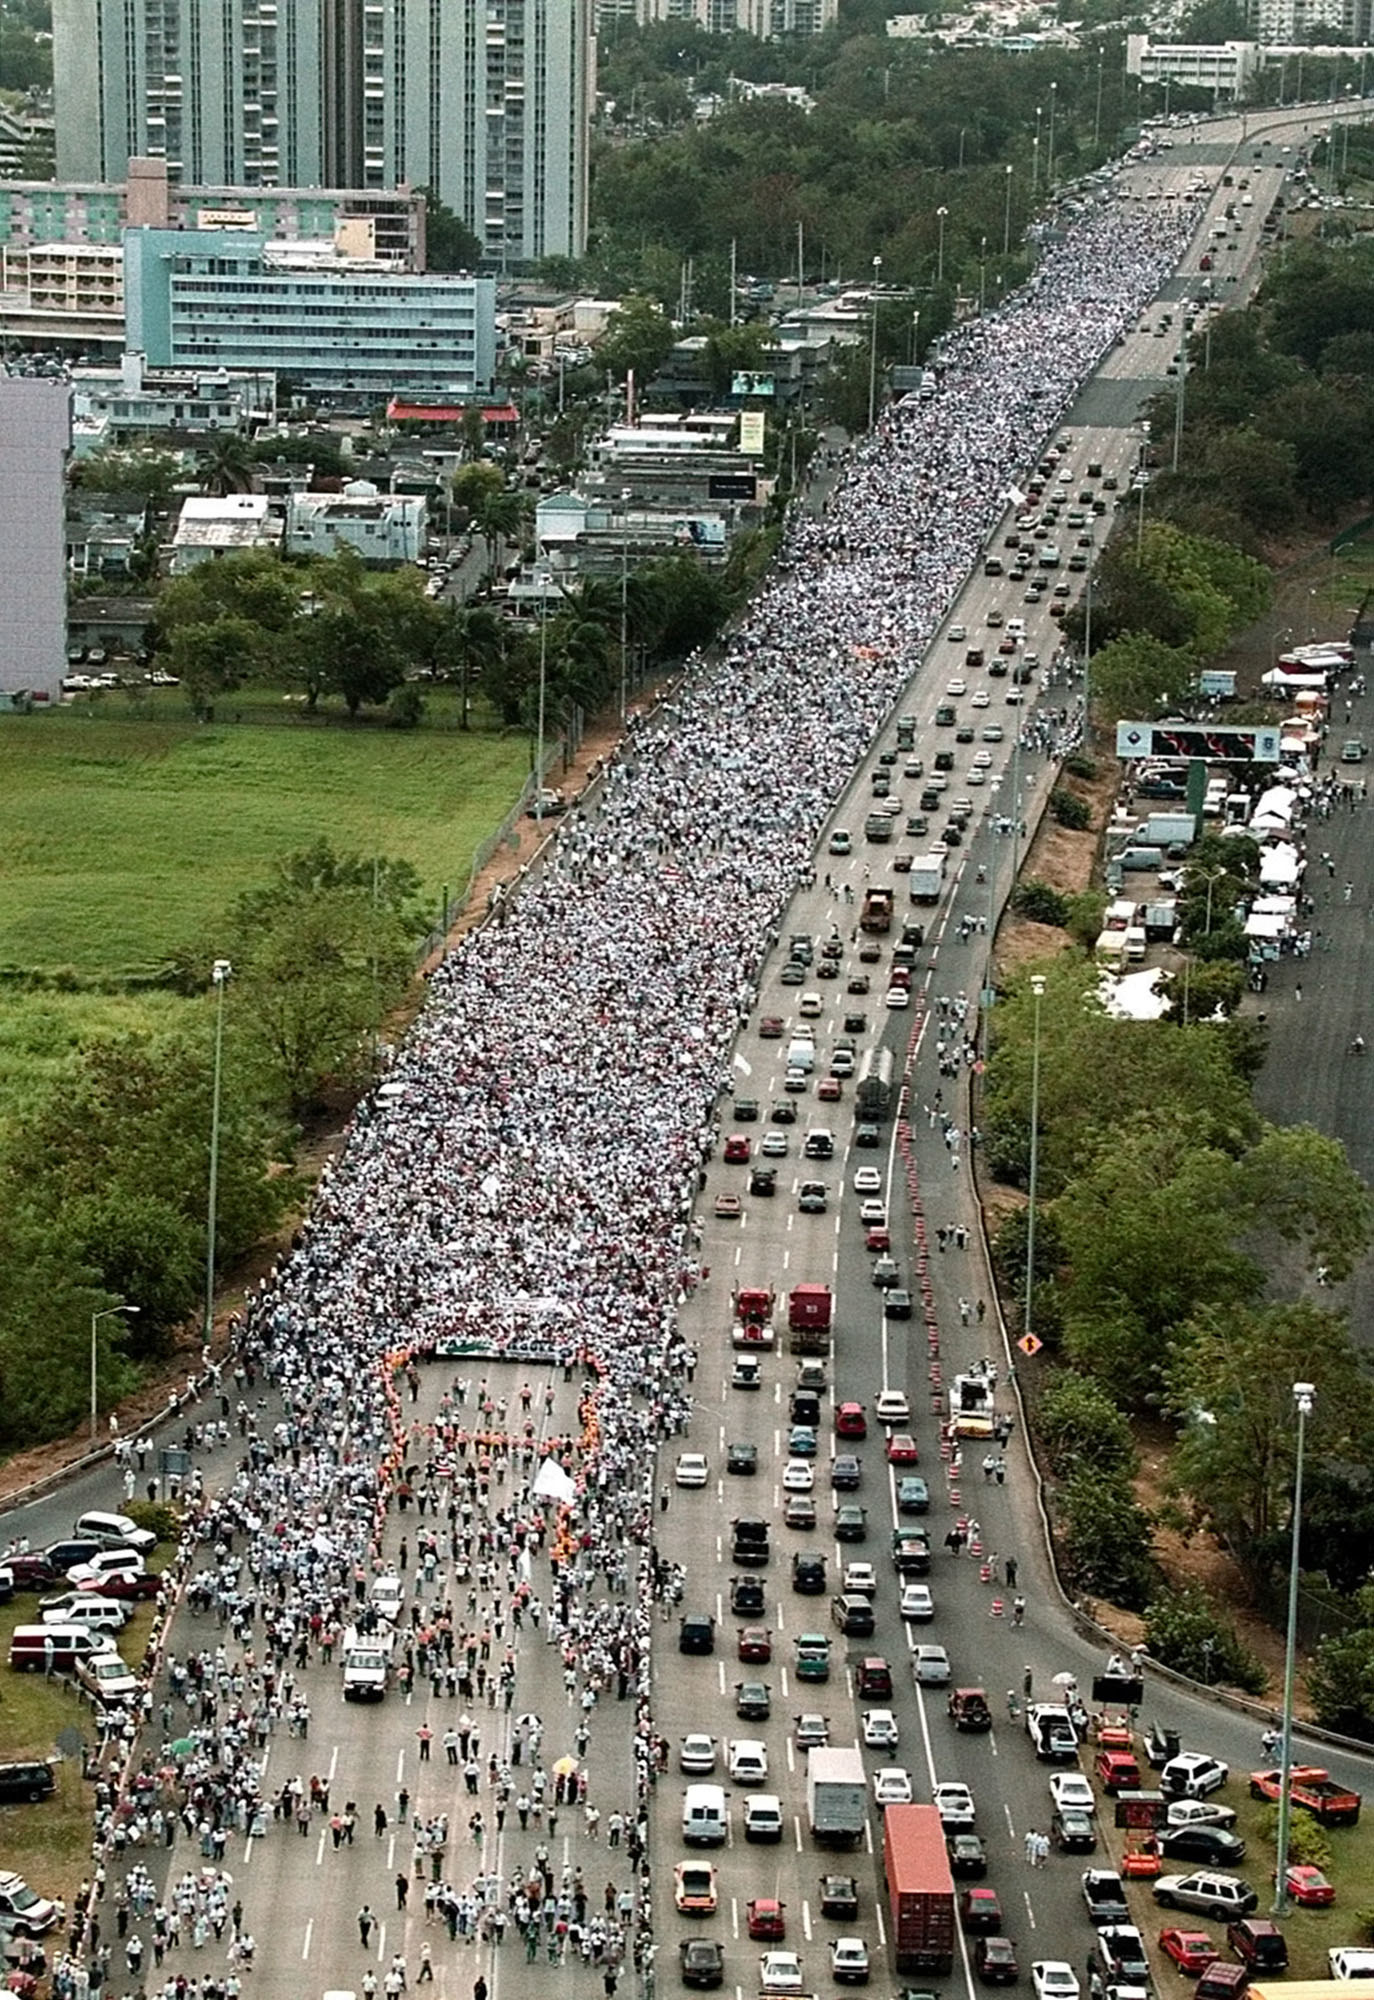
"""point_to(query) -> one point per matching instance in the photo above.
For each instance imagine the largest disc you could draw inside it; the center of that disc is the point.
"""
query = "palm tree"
(471, 640)
(497, 519)
(226, 466)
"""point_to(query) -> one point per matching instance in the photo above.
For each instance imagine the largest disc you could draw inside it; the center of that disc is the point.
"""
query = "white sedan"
(780, 1972)
(917, 1603)
(892, 1786)
(1054, 1979)
(892, 1407)
(861, 1579)
(799, 1477)
(1071, 1792)
(957, 687)
(849, 1961)
(982, 699)
(897, 996)
(692, 1469)
(867, 1180)
(880, 1729)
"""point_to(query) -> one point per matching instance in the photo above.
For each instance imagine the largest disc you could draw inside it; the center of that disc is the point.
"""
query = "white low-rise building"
(381, 528)
(220, 525)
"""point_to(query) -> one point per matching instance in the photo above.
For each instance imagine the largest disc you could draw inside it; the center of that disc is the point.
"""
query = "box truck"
(920, 1889)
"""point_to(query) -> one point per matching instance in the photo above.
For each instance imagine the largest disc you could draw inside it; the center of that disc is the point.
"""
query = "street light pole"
(624, 595)
(1035, 153)
(1097, 115)
(873, 345)
(220, 974)
(1038, 989)
(1006, 216)
(1049, 163)
(110, 1312)
(543, 683)
(940, 215)
(983, 275)
(1304, 1396)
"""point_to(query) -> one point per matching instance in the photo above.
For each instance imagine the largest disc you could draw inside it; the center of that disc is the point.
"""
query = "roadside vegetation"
(1161, 1190)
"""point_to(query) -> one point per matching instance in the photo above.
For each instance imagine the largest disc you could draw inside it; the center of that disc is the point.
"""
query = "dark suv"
(30, 1780)
(697, 1634)
(1261, 1945)
(808, 1574)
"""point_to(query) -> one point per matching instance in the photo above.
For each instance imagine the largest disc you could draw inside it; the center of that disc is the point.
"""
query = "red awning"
(399, 412)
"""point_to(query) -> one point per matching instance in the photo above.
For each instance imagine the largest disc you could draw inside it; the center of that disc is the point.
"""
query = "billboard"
(1198, 739)
(731, 486)
(752, 382)
(751, 432)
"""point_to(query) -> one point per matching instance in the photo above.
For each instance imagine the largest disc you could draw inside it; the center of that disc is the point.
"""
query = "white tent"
(1280, 867)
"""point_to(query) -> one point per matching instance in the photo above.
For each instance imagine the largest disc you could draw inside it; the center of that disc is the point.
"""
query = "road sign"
(1030, 1344)
(1195, 739)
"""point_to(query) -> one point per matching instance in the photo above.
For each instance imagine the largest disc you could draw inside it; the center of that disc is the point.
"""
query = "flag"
(553, 1483)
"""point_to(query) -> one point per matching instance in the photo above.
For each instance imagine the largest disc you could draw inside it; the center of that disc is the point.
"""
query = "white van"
(704, 1819)
(801, 1053)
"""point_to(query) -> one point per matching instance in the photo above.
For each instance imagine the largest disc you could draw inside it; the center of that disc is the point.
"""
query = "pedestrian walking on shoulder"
(365, 1922)
(402, 1890)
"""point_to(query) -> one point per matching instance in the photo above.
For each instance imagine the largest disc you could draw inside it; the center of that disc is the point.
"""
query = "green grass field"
(121, 838)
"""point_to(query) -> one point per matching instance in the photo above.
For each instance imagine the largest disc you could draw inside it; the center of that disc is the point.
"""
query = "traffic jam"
(864, 1783)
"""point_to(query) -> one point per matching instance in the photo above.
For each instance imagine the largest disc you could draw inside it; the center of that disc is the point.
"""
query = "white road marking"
(309, 1933)
(806, 1921)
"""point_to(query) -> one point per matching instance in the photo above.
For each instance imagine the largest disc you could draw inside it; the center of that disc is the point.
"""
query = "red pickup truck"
(1313, 1790)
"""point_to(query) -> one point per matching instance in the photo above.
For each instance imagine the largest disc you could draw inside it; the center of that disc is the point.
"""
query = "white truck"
(366, 1664)
(836, 1796)
(1050, 1728)
(926, 881)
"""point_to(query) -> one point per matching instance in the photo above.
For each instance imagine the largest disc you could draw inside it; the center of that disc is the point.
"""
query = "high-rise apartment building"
(488, 102)
(35, 437)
